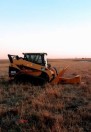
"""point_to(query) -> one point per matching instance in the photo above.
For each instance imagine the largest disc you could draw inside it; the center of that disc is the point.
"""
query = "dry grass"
(59, 108)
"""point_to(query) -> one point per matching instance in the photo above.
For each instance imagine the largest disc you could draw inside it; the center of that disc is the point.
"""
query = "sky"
(61, 28)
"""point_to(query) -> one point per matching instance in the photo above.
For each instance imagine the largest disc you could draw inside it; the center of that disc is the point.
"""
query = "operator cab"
(37, 58)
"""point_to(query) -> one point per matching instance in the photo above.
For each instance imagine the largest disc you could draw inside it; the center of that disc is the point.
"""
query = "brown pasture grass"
(58, 108)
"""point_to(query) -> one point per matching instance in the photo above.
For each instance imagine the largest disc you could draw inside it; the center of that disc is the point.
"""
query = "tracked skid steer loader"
(33, 68)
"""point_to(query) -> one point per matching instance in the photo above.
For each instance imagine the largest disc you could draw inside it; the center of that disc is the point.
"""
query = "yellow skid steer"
(33, 67)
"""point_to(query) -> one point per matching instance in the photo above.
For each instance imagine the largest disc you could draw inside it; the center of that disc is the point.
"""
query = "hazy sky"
(62, 28)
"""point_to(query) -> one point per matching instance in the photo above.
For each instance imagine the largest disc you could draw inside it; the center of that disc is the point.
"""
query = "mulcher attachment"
(61, 80)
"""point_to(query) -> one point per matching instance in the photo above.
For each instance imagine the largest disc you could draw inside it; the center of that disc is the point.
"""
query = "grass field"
(58, 108)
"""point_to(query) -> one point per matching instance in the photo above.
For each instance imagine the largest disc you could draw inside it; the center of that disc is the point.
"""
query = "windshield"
(35, 58)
